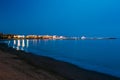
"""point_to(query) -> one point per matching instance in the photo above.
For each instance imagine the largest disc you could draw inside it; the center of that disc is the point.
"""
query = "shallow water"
(98, 55)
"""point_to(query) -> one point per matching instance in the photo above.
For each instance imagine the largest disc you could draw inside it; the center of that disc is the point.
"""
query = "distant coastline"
(17, 36)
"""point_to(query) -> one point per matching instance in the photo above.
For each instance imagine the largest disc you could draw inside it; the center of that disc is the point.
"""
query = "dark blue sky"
(61, 17)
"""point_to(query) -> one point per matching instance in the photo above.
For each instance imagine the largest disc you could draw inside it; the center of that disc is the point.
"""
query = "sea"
(96, 55)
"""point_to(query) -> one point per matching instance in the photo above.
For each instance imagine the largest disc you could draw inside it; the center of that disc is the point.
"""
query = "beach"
(20, 65)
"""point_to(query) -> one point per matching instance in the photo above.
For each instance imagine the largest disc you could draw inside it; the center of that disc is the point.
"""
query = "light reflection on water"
(19, 44)
(27, 43)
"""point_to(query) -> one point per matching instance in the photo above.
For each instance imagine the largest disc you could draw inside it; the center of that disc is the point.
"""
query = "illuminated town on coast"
(54, 37)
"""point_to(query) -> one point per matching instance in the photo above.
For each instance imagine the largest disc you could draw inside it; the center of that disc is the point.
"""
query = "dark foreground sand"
(19, 65)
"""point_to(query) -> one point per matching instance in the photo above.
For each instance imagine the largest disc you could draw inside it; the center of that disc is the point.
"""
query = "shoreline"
(65, 70)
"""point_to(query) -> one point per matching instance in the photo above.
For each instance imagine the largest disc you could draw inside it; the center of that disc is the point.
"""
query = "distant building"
(31, 36)
(47, 37)
(83, 37)
(19, 36)
(62, 37)
(54, 37)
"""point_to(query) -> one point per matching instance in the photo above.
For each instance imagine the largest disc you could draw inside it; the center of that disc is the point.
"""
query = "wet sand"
(20, 65)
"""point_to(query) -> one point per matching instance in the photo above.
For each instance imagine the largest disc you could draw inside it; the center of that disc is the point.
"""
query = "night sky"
(61, 17)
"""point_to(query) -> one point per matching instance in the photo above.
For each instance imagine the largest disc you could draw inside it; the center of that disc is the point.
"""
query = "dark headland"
(20, 65)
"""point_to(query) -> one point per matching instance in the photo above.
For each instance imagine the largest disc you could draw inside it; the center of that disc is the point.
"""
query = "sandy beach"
(20, 65)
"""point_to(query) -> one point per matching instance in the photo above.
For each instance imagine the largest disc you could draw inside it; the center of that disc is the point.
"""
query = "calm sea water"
(98, 55)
